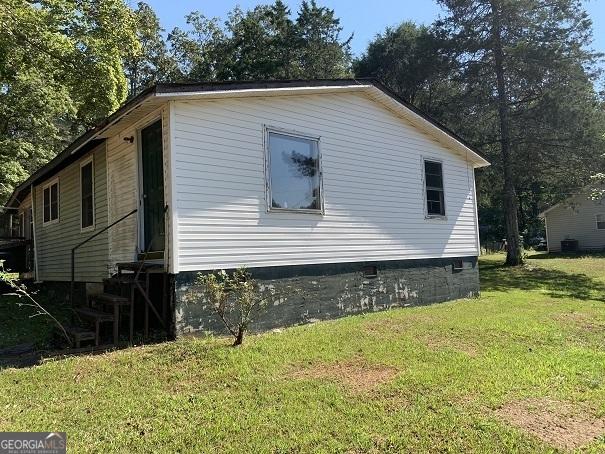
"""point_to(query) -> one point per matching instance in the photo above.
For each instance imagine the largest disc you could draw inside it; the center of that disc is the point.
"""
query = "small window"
(433, 182)
(15, 225)
(51, 203)
(294, 172)
(600, 221)
(87, 214)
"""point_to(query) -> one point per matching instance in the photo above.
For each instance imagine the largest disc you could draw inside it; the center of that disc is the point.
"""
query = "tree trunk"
(514, 253)
(239, 339)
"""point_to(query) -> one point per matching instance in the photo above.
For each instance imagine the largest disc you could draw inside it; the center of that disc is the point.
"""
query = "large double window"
(50, 194)
(294, 172)
(433, 182)
(87, 198)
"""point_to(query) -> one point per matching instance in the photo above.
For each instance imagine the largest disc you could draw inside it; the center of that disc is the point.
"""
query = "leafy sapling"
(21, 291)
(235, 297)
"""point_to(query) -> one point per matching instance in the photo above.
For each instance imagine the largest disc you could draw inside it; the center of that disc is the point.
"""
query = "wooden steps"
(110, 298)
(131, 285)
(95, 315)
(124, 279)
(145, 267)
(79, 334)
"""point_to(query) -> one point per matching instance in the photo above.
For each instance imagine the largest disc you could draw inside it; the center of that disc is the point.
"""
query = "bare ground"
(560, 424)
(356, 375)
(581, 321)
(434, 341)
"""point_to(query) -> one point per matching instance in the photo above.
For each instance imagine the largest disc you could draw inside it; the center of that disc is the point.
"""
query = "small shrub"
(235, 298)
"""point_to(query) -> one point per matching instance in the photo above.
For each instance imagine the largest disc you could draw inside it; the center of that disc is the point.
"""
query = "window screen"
(433, 181)
(294, 173)
(87, 194)
(600, 221)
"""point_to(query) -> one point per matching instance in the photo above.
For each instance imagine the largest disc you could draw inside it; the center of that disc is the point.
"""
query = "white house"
(337, 188)
(579, 220)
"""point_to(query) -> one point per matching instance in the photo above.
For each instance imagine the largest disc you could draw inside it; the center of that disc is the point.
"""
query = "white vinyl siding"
(575, 219)
(54, 241)
(123, 195)
(372, 184)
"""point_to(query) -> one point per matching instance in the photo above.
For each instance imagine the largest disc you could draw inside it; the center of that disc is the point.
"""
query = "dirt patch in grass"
(435, 343)
(410, 325)
(581, 320)
(387, 327)
(397, 326)
(560, 424)
(356, 375)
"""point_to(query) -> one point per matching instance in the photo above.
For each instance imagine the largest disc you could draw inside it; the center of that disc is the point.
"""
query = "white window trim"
(84, 162)
(26, 208)
(268, 196)
(44, 187)
(596, 221)
(427, 216)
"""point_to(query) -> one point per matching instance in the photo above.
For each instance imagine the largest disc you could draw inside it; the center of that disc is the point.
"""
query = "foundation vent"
(370, 271)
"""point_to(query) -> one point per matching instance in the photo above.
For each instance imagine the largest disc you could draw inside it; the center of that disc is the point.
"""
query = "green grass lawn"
(521, 369)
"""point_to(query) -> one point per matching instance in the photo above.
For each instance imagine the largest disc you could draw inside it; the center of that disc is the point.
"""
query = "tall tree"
(196, 50)
(262, 43)
(151, 63)
(60, 70)
(413, 61)
(249, 51)
(519, 58)
(322, 53)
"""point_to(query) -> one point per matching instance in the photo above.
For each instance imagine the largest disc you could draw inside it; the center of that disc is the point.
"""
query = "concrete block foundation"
(327, 291)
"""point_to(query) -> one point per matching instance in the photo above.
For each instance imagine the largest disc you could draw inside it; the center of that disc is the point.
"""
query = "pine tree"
(151, 63)
(514, 56)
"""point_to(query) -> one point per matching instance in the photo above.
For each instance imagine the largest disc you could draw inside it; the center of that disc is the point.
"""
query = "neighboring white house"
(578, 218)
(333, 183)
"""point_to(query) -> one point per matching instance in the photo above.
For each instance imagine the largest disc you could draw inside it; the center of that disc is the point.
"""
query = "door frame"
(140, 205)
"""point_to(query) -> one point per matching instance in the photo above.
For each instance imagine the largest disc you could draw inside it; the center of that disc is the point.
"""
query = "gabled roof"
(584, 191)
(150, 99)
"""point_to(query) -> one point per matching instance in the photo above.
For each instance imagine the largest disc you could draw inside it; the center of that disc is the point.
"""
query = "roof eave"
(79, 143)
(439, 129)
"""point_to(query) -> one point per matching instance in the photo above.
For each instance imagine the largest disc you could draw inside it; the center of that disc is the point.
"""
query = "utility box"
(569, 246)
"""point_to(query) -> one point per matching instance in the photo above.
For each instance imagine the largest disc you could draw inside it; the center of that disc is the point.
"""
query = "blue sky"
(365, 19)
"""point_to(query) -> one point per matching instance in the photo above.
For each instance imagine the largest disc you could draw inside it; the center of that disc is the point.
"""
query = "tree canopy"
(263, 43)
(60, 70)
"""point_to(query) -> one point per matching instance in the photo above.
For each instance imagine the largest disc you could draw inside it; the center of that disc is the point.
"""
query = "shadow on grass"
(28, 355)
(565, 255)
(557, 284)
(28, 338)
